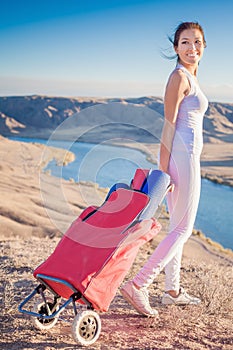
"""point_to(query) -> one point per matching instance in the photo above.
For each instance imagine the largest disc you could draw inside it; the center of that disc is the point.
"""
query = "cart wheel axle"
(43, 309)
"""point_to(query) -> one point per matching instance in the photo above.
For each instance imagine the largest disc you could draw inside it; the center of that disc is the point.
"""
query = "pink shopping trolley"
(94, 255)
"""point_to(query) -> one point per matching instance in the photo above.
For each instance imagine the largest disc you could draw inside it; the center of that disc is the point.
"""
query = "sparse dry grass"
(214, 286)
(208, 326)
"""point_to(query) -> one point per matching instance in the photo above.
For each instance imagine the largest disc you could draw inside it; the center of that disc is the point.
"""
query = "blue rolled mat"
(155, 187)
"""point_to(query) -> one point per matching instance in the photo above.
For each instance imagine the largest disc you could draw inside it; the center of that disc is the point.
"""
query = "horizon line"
(101, 97)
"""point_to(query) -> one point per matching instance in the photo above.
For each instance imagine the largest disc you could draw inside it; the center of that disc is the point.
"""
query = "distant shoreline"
(139, 119)
(147, 152)
(150, 151)
(23, 211)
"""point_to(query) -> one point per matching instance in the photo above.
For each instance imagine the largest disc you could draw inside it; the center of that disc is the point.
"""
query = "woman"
(181, 146)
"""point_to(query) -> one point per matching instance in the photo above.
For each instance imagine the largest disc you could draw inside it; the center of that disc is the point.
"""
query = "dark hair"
(187, 25)
(180, 28)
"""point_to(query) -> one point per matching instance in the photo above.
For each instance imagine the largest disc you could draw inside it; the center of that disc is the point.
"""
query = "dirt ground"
(208, 326)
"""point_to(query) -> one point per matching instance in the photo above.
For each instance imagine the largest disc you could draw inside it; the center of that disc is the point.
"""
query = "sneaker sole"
(130, 301)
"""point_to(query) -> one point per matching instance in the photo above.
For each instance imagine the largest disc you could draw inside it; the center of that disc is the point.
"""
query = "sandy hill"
(137, 118)
(130, 120)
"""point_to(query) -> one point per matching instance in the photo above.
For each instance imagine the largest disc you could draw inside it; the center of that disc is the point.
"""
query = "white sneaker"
(183, 299)
(138, 298)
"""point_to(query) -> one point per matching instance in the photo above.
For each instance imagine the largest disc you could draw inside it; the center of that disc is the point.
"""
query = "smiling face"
(190, 47)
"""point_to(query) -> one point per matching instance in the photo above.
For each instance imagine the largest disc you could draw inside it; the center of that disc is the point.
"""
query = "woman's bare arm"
(177, 87)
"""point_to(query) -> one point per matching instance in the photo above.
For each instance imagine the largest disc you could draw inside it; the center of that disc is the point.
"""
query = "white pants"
(184, 169)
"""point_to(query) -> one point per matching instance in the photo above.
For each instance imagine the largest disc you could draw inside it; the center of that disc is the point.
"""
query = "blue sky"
(108, 48)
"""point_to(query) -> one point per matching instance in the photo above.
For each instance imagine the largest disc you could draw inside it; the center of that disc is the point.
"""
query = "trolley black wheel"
(41, 308)
(86, 327)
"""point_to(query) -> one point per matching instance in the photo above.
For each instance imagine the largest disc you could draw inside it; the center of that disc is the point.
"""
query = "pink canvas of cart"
(94, 255)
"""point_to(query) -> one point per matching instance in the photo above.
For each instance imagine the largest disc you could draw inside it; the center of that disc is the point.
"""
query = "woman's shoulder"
(177, 74)
(177, 77)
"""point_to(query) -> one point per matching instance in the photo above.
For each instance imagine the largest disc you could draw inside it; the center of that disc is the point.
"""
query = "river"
(106, 165)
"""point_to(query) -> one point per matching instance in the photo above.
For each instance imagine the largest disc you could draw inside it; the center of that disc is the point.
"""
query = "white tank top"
(193, 106)
(189, 122)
